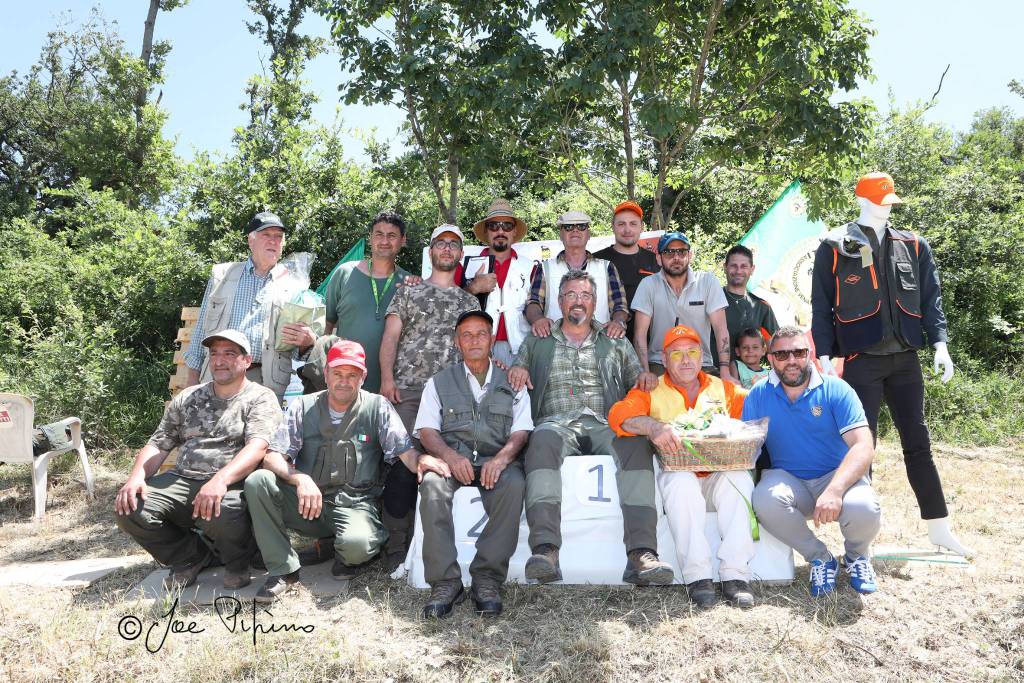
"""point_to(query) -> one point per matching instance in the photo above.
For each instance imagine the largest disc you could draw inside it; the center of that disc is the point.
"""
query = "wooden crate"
(179, 380)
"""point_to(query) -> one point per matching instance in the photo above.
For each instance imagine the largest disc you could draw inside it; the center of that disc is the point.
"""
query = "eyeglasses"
(675, 252)
(450, 245)
(693, 354)
(579, 227)
(585, 297)
(784, 354)
(500, 226)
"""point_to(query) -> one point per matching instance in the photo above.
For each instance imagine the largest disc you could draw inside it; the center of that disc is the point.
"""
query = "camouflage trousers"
(163, 524)
(551, 444)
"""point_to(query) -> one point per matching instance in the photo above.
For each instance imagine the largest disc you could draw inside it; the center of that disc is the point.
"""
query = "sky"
(214, 54)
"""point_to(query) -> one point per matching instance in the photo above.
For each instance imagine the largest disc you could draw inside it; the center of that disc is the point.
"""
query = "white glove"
(826, 366)
(942, 358)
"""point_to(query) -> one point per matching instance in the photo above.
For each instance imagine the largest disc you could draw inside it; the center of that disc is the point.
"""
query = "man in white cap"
(221, 429)
(241, 296)
(500, 278)
(419, 342)
(611, 307)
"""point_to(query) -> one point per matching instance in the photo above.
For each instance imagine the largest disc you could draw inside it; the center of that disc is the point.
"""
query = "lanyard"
(377, 296)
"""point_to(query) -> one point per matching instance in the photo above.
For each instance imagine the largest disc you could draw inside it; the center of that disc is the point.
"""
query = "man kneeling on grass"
(324, 472)
(222, 429)
(821, 450)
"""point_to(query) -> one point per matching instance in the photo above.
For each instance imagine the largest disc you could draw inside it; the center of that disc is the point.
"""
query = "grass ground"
(928, 622)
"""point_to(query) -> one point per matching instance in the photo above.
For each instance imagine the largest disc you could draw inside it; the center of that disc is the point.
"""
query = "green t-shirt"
(358, 316)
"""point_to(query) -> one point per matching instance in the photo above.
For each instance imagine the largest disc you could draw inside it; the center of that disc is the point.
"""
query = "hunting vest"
(555, 268)
(475, 430)
(864, 301)
(511, 300)
(345, 458)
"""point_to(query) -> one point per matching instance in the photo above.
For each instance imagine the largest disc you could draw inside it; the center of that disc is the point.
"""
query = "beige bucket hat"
(499, 208)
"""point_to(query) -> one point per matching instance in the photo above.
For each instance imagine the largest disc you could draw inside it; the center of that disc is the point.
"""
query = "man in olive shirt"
(222, 428)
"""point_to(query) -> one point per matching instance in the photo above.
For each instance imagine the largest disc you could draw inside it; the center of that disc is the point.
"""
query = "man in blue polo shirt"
(821, 450)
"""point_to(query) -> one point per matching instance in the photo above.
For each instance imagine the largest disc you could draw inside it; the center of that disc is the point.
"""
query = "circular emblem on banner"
(798, 207)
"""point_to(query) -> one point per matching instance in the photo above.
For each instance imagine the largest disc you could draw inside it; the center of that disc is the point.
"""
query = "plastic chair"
(16, 419)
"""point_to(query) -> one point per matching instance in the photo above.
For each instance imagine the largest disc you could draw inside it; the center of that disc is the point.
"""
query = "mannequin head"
(876, 193)
(872, 215)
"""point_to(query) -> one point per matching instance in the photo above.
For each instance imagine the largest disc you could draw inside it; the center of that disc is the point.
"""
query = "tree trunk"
(453, 187)
(627, 137)
(146, 56)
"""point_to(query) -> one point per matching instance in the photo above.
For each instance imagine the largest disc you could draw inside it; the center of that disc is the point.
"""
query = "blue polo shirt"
(805, 437)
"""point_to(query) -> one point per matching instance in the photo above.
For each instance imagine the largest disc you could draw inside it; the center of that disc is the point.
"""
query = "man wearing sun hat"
(503, 283)
(684, 388)
(875, 298)
(324, 472)
(632, 261)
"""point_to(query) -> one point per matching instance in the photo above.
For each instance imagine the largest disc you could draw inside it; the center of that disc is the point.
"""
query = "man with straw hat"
(500, 278)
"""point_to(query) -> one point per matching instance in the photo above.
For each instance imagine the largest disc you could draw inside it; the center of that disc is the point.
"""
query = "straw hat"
(499, 208)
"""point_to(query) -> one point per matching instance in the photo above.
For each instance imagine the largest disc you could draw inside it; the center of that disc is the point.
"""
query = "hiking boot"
(702, 593)
(321, 551)
(276, 586)
(542, 566)
(444, 595)
(643, 568)
(236, 580)
(393, 560)
(823, 576)
(183, 577)
(346, 572)
(486, 594)
(862, 574)
(738, 593)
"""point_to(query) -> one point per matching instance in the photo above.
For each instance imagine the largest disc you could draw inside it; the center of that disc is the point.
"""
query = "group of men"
(421, 386)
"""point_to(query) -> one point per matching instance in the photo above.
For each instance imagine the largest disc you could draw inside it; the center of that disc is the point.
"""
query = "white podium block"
(592, 548)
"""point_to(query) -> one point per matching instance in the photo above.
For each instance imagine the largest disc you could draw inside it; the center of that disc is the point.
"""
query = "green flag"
(784, 240)
(356, 253)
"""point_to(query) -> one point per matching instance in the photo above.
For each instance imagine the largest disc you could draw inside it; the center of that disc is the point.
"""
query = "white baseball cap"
(447, 227)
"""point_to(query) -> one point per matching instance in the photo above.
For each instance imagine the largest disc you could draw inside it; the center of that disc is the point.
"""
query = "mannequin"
(873, 376)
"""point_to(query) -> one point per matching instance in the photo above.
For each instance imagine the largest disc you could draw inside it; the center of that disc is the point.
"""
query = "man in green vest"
(471, 418)
(576, 374)
(324, 472)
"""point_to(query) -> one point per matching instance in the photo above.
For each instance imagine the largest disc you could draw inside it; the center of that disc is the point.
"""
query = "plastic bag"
(305, 307)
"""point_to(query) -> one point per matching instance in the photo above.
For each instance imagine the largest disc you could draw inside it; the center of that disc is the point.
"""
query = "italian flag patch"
(362, 438)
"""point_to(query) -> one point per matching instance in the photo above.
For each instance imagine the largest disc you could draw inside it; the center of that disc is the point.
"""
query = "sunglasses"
(798, 354)
(578, 227)
(500, 226)
(693, 354)
(675, 252)
(450, 245)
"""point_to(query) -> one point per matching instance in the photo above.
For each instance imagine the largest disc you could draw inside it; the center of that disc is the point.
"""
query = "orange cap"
(680, 332)
(629, 205)
(878, 188)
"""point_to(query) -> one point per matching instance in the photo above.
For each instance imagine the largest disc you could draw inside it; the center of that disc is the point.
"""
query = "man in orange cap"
(683, 388)
(633, 262)
(875, 297)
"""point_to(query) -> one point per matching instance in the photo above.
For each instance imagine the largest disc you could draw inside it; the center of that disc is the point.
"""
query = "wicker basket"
(717, 454)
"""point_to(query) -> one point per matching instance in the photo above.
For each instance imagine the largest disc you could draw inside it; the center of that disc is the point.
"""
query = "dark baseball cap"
(484, 315)
(262, 221)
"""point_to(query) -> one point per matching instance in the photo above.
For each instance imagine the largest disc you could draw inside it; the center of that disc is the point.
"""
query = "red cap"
(347, 352)
(680, 332)
(878, 188)
(629, 206)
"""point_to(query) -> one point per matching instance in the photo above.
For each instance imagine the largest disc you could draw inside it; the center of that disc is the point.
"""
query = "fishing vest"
(668, 403)
(555, 268)
(346, 458)
(277, 365)
(511, 300)
(861, 294)
(475, 430)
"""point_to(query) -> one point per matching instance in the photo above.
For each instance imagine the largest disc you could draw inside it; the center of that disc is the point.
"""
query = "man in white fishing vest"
(471, 418)
(324, 472)
(685, 388)
(248, 296)
(611, 309)
(500, 278)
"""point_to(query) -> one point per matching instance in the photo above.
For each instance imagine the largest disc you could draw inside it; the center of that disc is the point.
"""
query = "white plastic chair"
(16, 420)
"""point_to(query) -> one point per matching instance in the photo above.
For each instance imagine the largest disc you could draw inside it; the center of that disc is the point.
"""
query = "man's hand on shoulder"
(541, 327)
(519, 377)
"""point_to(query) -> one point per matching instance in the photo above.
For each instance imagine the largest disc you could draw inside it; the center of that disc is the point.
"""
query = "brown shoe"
(276, 586)
(643, 568)
(486, 594)
(236, 580)
(542, 566)
(444, 595)
(183, 577)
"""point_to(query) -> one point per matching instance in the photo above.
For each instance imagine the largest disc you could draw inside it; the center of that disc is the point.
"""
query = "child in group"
(749, 365)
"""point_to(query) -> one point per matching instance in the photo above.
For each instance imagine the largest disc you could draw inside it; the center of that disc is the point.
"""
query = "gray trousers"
(498, 539)
(502, 351)
(783, 504)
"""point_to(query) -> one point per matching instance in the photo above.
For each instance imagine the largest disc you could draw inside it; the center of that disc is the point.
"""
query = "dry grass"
(929, 622)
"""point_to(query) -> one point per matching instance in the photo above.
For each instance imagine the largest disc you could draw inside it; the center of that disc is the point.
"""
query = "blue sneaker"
(823, 576)
(862, 574)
